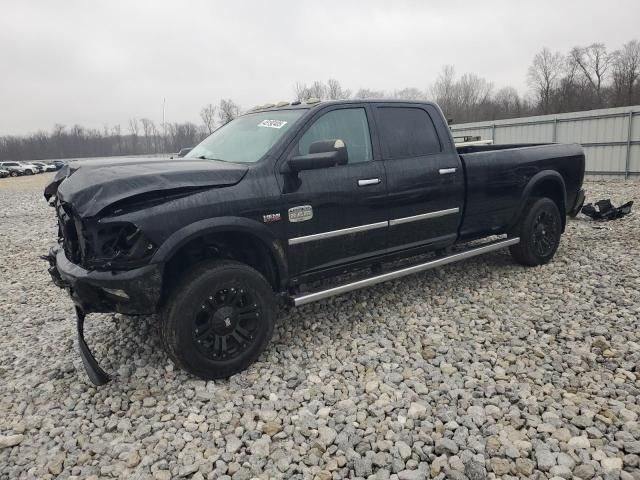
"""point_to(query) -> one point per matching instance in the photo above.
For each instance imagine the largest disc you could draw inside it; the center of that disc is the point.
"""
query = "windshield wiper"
(204, 157)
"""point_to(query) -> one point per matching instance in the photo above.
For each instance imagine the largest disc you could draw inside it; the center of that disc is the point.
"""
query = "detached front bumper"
(134, 292)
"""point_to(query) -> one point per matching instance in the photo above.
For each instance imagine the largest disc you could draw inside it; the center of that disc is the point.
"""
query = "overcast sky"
(103, 62)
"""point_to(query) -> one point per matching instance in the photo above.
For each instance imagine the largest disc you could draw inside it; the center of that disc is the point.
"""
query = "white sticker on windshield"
(272, 123)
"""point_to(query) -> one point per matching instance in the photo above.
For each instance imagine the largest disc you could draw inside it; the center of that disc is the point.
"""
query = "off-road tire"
(197, 292)
(539, 230)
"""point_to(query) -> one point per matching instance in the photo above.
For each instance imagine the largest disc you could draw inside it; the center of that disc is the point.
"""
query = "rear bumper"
(577, 205)
(135, 292)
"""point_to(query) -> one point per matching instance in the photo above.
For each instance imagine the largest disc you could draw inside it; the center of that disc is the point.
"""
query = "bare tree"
(474, 93)
(300, 91)
(117, 133)
(155, 133)
(227, 111)
(593, 61)
(208, 116)
(364, 93)
(626, 71)
(410, 94)
(543, 76)
(147, 128)
(507, 102)
(334, 90)
(134, 128)
(317, 90)
(444, 90)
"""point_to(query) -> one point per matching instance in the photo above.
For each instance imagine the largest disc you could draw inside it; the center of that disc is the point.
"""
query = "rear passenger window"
(407, 132)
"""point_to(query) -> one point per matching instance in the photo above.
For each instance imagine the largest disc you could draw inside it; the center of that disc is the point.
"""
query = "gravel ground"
(482, 369)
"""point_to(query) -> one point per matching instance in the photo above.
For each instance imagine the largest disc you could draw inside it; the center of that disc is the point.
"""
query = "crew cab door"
(425, 181)
(335, 215)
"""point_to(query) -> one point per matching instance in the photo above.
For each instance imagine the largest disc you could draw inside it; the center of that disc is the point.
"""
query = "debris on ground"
(605, 210)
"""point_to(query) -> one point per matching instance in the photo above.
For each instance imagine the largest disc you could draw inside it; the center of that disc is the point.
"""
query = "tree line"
(585, 78)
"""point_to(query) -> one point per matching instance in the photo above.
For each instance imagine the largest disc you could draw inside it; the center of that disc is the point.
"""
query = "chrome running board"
(437, 262)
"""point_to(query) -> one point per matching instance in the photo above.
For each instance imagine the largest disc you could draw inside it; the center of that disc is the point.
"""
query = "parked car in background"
(182, 152)
(46, 167)
(30, 168)
(14, 168)
(58, 164)
(4, 173)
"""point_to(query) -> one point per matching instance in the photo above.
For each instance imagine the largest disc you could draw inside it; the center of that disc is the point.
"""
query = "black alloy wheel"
(539, 230)
(218, 319)
(227, 323)
(545, 233)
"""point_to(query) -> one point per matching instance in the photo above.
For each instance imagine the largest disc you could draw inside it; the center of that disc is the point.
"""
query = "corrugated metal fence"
(610, 137)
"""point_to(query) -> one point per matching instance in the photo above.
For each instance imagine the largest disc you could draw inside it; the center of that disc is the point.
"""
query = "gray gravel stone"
(7, 441)
(545, 459)
(446, 445)
(585, 470)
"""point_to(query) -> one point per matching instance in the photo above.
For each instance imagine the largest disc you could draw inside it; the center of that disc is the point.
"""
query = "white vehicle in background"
(30, 168)
(15, 169)
(45, 167)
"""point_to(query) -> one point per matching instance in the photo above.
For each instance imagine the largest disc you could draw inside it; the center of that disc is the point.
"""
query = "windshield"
(247, 138)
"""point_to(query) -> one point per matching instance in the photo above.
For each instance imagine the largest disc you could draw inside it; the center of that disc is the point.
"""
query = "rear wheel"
(14, 174)
(219, 320)
(539, 231)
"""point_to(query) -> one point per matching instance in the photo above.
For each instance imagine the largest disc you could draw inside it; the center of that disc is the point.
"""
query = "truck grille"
(68, 234)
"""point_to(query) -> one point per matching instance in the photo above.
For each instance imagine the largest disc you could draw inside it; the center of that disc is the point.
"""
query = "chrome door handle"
(368, 181)
(444, 171)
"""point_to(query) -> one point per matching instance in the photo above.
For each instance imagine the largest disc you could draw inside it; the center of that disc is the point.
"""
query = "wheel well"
(242, 247)
(553, 190)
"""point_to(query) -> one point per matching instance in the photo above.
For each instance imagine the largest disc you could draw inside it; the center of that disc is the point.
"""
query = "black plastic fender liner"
(96, 374)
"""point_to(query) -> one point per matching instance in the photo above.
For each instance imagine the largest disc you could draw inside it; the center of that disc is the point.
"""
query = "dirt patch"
(28, 183)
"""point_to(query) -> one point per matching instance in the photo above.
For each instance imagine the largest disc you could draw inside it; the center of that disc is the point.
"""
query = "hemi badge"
(271, 217)
(301, 213)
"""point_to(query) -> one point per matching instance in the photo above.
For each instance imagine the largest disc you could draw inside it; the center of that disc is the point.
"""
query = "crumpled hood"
(91, 185)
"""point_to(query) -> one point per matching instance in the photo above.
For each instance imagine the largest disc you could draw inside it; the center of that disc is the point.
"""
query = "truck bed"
(496, 176)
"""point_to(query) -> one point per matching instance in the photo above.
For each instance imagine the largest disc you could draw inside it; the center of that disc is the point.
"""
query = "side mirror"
(322, 154)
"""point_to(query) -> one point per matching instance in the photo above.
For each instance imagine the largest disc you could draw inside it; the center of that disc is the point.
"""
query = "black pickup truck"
(288, 197)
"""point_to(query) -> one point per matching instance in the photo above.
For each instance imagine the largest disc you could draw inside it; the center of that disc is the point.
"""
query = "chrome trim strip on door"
(423, 216)
(367, 282)
(337, 233)
(368, 181)
(444, 171)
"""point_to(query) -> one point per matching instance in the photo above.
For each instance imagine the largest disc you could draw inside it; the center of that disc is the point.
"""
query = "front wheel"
(539, 232)
(219, 319)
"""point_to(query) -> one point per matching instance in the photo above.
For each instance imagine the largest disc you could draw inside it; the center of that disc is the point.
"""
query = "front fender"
(219, 225)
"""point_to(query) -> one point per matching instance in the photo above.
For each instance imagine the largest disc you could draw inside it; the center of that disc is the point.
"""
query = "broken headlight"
(117, 245)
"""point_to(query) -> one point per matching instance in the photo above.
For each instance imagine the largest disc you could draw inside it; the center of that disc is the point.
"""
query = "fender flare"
(537, 179)
(225, 225)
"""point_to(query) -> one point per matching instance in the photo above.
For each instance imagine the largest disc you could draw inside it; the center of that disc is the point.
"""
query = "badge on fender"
(301, 213)
(271, 217)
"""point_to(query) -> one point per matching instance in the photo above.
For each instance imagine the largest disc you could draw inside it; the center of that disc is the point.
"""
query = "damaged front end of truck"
(104, 254)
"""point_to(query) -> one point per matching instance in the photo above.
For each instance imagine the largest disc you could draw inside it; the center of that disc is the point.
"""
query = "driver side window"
(348, 124)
